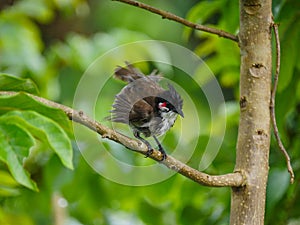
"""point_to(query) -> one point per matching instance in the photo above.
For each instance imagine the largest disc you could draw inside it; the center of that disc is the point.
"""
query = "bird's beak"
(180, 113)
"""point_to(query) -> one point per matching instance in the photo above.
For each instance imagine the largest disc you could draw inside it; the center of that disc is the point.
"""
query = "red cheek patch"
(162, 104)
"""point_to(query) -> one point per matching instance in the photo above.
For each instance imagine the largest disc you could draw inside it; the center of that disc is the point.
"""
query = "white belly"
(162, 125)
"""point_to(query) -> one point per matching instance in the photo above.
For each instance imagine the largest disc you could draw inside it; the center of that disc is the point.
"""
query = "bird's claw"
(164, 155)
(148, 153)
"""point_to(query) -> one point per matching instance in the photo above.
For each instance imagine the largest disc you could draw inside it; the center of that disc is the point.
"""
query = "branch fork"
(272, 105)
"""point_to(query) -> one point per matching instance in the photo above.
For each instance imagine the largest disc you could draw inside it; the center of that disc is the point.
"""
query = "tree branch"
(236, 179)
(170, 16)
(272, 105)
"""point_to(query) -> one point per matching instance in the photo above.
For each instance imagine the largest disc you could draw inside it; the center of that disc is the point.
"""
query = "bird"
(145, 106)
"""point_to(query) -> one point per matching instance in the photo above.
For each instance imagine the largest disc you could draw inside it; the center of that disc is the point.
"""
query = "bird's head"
(170, 101)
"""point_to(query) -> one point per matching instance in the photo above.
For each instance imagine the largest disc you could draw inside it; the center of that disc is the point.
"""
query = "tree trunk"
(248, 203)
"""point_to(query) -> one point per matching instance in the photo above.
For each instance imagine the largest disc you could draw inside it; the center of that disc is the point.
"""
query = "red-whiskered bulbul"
(144, 105)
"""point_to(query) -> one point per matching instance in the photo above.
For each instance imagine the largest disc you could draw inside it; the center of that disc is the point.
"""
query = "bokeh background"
(53, 42)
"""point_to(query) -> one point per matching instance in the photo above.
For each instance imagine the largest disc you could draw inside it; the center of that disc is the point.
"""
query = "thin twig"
(170, 16)
(236, 179)
(272, 105)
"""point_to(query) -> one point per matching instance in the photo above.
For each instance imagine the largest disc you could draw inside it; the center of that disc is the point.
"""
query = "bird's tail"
(128, 74)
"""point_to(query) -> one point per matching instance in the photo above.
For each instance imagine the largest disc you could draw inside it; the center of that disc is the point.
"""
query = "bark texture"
(248, 202)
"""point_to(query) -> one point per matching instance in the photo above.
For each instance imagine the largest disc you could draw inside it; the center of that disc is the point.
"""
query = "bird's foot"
(162, 151)
(149, 147)
(149, 152)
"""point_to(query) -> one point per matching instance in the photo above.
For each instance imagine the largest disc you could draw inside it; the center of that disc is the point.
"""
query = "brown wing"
(140, 113)
(126, 101)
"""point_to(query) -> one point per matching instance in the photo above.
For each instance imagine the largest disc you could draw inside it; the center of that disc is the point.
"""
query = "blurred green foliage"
(52, 42)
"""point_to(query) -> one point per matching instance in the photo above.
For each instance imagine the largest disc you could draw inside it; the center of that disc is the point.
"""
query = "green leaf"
(7, 180)
(8, 185)
(22, 141)
(39, 10)
(44, 129)
(22, 101)
(289, 51)
(277, 186)
(12, 83)
(200, 13)
(204, 10)
(21, 45)
(10, 133)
